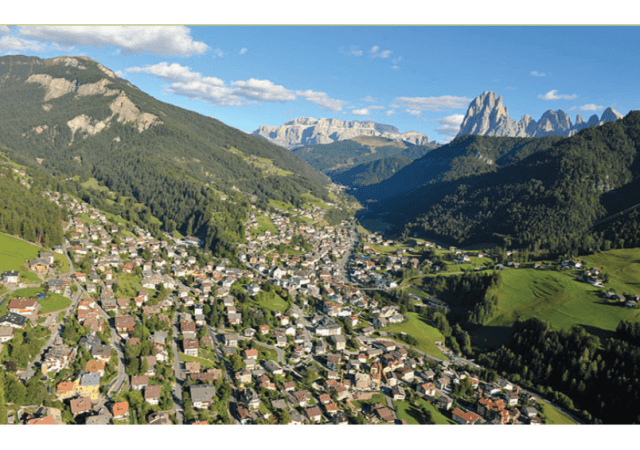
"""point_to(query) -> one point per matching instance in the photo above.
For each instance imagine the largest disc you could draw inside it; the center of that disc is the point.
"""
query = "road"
(218, 351)
(176, 393)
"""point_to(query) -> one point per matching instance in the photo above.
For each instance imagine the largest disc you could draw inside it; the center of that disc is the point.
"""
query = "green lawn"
(312, 200)
(203, 362)
(411, 413)
(556, 417)
(13, 256)
(264, 224)
(623, 267)
(128, 285)
(557, 298)
(64, 261)
(375, 398)
(426, 335)
(270, 301)
(52, 302)
(266, 353)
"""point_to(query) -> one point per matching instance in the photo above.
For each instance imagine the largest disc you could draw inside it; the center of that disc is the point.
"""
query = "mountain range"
(487, 116)
(546, 191)
(309, 131)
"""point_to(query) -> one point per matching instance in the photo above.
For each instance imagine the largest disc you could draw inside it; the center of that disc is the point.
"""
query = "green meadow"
(411, 413)
(555, 297)
(14, 254)
(426, 335)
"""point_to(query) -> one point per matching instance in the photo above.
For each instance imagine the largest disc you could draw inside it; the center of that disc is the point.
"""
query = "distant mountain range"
(309, 131)
(487, 116)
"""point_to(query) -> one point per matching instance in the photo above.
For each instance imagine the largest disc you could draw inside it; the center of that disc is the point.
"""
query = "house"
(251, 353)
(339, 342)
(13, 320)
(231, 340)
(101, 352)
(125, 325)
(250, 398)
(80, 405)
(427, 389)
(273, 367)
(398, 393)
(95, 366)
(12, 276)
(465, 418)
(59, 357)
(23, 306)
(89, 385)
(39, 265)
(301, 398)
(6, 333)
(152, 394)
(120, 410)
(243, 376)
(384, 414)
(313, 414)
(190, 347)
(202, 395)
(139, 382)
(159, 418)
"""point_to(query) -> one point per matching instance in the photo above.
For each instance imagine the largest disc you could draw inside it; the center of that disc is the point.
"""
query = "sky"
(416, 78)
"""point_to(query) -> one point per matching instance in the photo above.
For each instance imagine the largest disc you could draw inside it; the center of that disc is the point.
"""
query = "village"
(159, 332)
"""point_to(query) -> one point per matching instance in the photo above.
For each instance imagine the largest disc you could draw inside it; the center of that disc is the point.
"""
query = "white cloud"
(431, 103)
(413, 112)
(376, 107)
(191, 84)
(396, 60)
(4, 30)
(322, 99)
(352, 51)
(395, 67)
(538, 74)
(168, 72)
(389, 113)
(369, 99)
(159, 40)
(262, 90)
(553, 95)
(589, 107)
(243, 50)
(14, 43)
(208, 90)
(360, 112)
(450, 125)
(355, 51)
(185, 82)
(374, 52)
(217, 52)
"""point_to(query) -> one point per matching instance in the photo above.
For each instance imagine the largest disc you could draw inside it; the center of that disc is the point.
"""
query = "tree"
(3, 400)
(283, 417)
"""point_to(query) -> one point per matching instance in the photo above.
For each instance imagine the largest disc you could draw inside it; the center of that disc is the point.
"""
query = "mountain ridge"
(487, 116)
(303, 131)
(73, 117)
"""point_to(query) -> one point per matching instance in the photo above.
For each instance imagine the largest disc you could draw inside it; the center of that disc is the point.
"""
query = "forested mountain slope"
(548, 192)
(74, 117)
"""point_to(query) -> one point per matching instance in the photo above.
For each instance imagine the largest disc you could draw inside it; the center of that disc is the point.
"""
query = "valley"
(161, 267)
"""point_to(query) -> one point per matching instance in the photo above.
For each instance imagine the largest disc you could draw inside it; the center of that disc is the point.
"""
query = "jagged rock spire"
(487, 116)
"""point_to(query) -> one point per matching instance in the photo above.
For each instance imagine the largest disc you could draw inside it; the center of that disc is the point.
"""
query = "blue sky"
(418, 78)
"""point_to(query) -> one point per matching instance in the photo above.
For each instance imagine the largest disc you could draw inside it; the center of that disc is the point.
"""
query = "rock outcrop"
(487, 116)
(309, 131)
(123, 109)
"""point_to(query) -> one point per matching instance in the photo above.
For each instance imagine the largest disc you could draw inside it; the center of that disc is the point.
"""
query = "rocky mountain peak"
(487, 116)
(303, 131)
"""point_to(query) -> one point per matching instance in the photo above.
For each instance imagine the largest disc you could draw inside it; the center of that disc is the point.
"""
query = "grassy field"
(128, 286)
(312, 200)
(426, 335)
(557, 298)
(266, 353)
(203, 362)
(270, 301)
(264, 224)
(622, 266)
(375, 398)
(64, 262)
(52, 302)
(411, 413)
(556, 417)
(13, 255)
